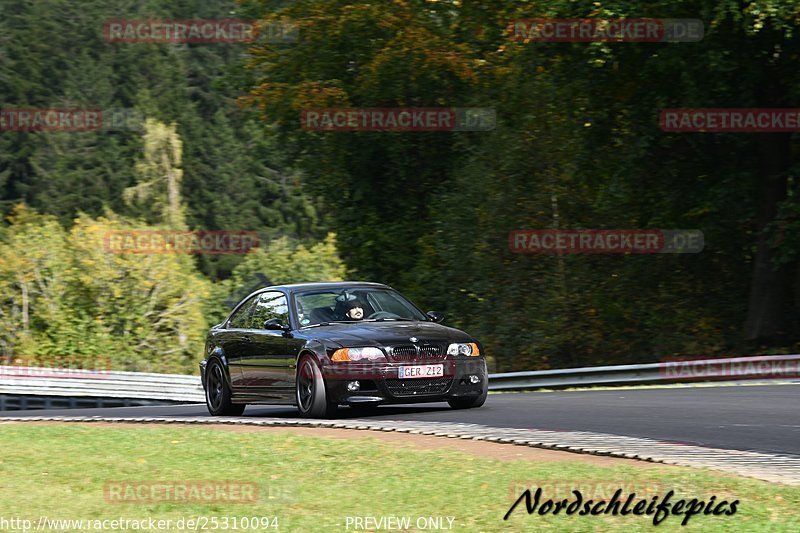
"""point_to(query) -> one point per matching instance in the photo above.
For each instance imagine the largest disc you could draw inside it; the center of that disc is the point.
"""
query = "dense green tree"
(54, 55)
(379, 189)
(66, 296)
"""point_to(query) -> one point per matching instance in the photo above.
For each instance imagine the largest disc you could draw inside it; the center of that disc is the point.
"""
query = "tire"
(468, 402)
(218, 394)
(310, 392)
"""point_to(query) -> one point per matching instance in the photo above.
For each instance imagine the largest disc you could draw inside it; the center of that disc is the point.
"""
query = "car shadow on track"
(345, 413)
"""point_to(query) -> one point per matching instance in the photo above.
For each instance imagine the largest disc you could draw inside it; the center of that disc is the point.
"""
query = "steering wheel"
(383, 314)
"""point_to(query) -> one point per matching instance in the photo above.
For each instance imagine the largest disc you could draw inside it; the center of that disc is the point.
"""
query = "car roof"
(301, 287)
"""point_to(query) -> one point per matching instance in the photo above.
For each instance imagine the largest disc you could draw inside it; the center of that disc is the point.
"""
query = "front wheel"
(311, 396)
(218, 394)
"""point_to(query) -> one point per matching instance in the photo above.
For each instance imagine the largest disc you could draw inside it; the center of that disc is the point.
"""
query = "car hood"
(386, 333)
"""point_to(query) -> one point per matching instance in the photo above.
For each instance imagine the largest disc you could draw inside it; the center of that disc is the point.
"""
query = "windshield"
(353, 304)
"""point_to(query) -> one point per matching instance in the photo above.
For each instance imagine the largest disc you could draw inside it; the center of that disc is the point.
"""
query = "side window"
(240, 318)
(269, 305)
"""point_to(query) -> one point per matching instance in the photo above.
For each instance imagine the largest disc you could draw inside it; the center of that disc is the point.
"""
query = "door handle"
(247, 338)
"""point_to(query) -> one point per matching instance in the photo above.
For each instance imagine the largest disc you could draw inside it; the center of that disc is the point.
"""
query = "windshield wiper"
(324, 324)
(358, 321)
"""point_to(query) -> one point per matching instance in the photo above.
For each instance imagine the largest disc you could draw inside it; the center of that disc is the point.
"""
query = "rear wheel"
(218, 394)
(311, 396)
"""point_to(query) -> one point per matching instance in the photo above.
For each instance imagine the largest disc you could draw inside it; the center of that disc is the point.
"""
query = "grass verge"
(72, 471)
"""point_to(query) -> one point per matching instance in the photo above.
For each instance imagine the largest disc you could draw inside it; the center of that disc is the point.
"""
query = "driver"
(349, 307)
(355, 311)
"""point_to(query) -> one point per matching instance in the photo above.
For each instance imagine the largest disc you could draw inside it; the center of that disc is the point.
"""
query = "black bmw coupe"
(322, 345)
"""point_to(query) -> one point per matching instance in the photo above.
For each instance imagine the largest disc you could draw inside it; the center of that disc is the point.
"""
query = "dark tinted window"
(240, 318)
(269, 305)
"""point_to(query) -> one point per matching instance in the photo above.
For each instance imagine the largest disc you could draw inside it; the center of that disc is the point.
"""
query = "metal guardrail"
(14, 402)
(768, 367)
(20, 382)
(31, 381)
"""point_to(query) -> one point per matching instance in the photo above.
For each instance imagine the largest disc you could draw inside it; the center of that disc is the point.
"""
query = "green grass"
(312, 483)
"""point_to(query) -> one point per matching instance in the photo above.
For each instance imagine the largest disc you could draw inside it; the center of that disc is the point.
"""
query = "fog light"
(353, 386)
(474, 379)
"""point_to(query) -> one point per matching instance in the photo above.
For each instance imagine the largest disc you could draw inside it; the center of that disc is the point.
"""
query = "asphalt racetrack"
(762, 418)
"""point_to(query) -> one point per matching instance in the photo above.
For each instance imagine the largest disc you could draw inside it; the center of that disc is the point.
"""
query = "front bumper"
(380, 382)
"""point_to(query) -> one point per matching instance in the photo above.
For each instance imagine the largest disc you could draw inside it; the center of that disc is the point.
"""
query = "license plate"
(421, 371)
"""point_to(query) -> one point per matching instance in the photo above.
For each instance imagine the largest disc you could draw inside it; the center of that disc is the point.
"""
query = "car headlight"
(358, 354)
(461, 348)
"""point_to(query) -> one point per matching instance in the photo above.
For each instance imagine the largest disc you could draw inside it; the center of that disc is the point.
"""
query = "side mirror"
(436, 316)
(275, 323)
